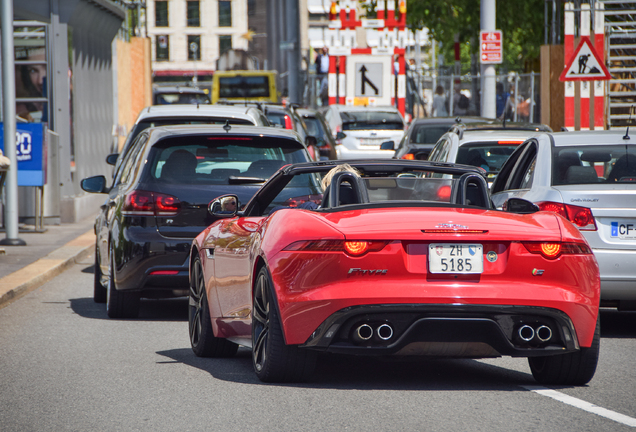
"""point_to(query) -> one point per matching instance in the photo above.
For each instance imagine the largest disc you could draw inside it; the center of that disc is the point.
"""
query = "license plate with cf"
(456, 258)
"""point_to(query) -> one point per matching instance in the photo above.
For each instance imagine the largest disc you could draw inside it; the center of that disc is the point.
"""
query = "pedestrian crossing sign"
(585, 64)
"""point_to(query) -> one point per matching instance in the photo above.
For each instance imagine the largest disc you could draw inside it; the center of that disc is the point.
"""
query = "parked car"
(450, 279)
(167, 115)
(170, 95)
(423, 134)
(359, 131)
(317, 127)
(486, 145)
(590, 179)
(158, 203)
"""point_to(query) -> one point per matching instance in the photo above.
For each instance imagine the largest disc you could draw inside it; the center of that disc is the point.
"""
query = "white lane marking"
(581, 404)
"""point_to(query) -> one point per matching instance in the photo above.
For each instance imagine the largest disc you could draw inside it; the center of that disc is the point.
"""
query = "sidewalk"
(46, 255)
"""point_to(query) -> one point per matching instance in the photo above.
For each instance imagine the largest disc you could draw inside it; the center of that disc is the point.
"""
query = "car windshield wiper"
(244, 180)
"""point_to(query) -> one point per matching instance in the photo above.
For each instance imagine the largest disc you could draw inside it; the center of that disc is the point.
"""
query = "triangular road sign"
(585, 64)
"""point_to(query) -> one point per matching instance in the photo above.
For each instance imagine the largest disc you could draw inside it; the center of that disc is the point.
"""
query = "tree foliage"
(522, 24)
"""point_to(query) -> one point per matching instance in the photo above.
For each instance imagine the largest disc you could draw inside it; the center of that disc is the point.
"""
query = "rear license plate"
(371, 141)
(623, 230)
(455, 258)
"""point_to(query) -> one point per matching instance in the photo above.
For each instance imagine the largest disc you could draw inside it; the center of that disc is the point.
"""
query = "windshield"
(244, 87)
(378, 120)
(405, 188)
(216, 160)
(488, 155)
(574, 165)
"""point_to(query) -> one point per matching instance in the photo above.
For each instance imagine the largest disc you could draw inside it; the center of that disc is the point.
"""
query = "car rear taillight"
(288, 122)
(353, 248)
(580, 216)
(409, 156)
(553, 250)
(145, 203)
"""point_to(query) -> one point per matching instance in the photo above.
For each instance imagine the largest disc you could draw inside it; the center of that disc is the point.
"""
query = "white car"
(176, 114)
(589, 178)
(360, 131)
(487, 145)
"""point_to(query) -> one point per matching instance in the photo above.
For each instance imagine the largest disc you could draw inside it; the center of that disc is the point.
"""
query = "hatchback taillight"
(580, 216)
(288, 122)
(145, 203)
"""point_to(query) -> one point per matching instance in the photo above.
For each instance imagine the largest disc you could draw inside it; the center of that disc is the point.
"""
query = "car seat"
(346, 188)
(625, 166)
(566, 159)
(475, 159)
(581, 175)
(180, 167)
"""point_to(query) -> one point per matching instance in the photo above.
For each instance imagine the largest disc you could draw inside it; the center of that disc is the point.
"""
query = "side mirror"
(95, 184)
(111, 159)
(225, 206)
(387, 145)
(340, 135)
(520, 206)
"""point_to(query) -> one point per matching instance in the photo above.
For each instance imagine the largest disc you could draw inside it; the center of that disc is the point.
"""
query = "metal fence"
(519, 97)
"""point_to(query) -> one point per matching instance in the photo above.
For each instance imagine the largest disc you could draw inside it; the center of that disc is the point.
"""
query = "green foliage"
(522, 24)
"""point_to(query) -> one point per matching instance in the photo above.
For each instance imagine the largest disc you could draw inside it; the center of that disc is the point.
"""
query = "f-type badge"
(366, 272)
(537, 272)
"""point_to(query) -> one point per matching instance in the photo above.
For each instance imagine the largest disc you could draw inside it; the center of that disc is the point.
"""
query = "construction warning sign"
(585, 64)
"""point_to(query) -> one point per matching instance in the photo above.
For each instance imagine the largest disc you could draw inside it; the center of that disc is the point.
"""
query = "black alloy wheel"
(202, 339)
(575, 368)
(99, 292)
(119, 304)
(273, 360)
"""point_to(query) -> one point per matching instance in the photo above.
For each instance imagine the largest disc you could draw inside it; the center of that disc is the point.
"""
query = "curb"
(35, 275)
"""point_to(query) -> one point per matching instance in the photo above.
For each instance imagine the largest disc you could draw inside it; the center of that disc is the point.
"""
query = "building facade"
(188, 36)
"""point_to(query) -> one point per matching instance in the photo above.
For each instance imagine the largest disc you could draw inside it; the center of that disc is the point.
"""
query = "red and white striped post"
(584, 30)
(380, 10)
(599, 46)
(333, 83)
(342, 80)
(568, 51)
(401, 84)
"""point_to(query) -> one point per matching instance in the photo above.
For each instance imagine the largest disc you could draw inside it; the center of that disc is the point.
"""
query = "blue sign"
(30, 153)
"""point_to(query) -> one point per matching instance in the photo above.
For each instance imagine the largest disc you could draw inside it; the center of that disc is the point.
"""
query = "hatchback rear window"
(214, 160)
(425, 134)
(377, 120)
(487, 155)
(574, 165)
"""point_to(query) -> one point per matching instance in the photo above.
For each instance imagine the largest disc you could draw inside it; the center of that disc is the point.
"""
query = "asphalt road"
(64, 366)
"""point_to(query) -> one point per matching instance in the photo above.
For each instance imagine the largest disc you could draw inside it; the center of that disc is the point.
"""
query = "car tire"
(273, 360)
(119, 304)
(575, 368)
(99, 292)
(202, 339)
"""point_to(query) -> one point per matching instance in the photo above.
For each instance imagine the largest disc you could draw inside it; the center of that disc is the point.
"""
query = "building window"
(193, 14)
(225, 13)
(161, 14)
(194, 47)
(251, 7)
(162, 51)
(225, 43)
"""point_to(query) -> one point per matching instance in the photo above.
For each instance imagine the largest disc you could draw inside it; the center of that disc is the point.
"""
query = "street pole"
(488, 74)
(8, 109)
(292, 15)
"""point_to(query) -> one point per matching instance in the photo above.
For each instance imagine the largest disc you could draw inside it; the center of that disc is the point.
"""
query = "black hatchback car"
(423, 134)
(159, 202)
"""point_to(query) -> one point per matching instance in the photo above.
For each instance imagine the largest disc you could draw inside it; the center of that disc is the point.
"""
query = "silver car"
(360, 131)
(589, 178)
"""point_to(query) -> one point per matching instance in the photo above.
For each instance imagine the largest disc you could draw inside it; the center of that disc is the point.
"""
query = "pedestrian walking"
(322, 70)
(439, 103)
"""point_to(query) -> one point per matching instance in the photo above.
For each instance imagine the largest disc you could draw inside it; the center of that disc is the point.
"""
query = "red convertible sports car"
(394, 258)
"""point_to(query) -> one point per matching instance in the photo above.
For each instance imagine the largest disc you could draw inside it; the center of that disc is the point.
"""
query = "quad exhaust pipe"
(365, 332)
(528, 333)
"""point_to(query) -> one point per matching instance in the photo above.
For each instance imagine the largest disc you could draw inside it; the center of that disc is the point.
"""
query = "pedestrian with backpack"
(460, 102)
